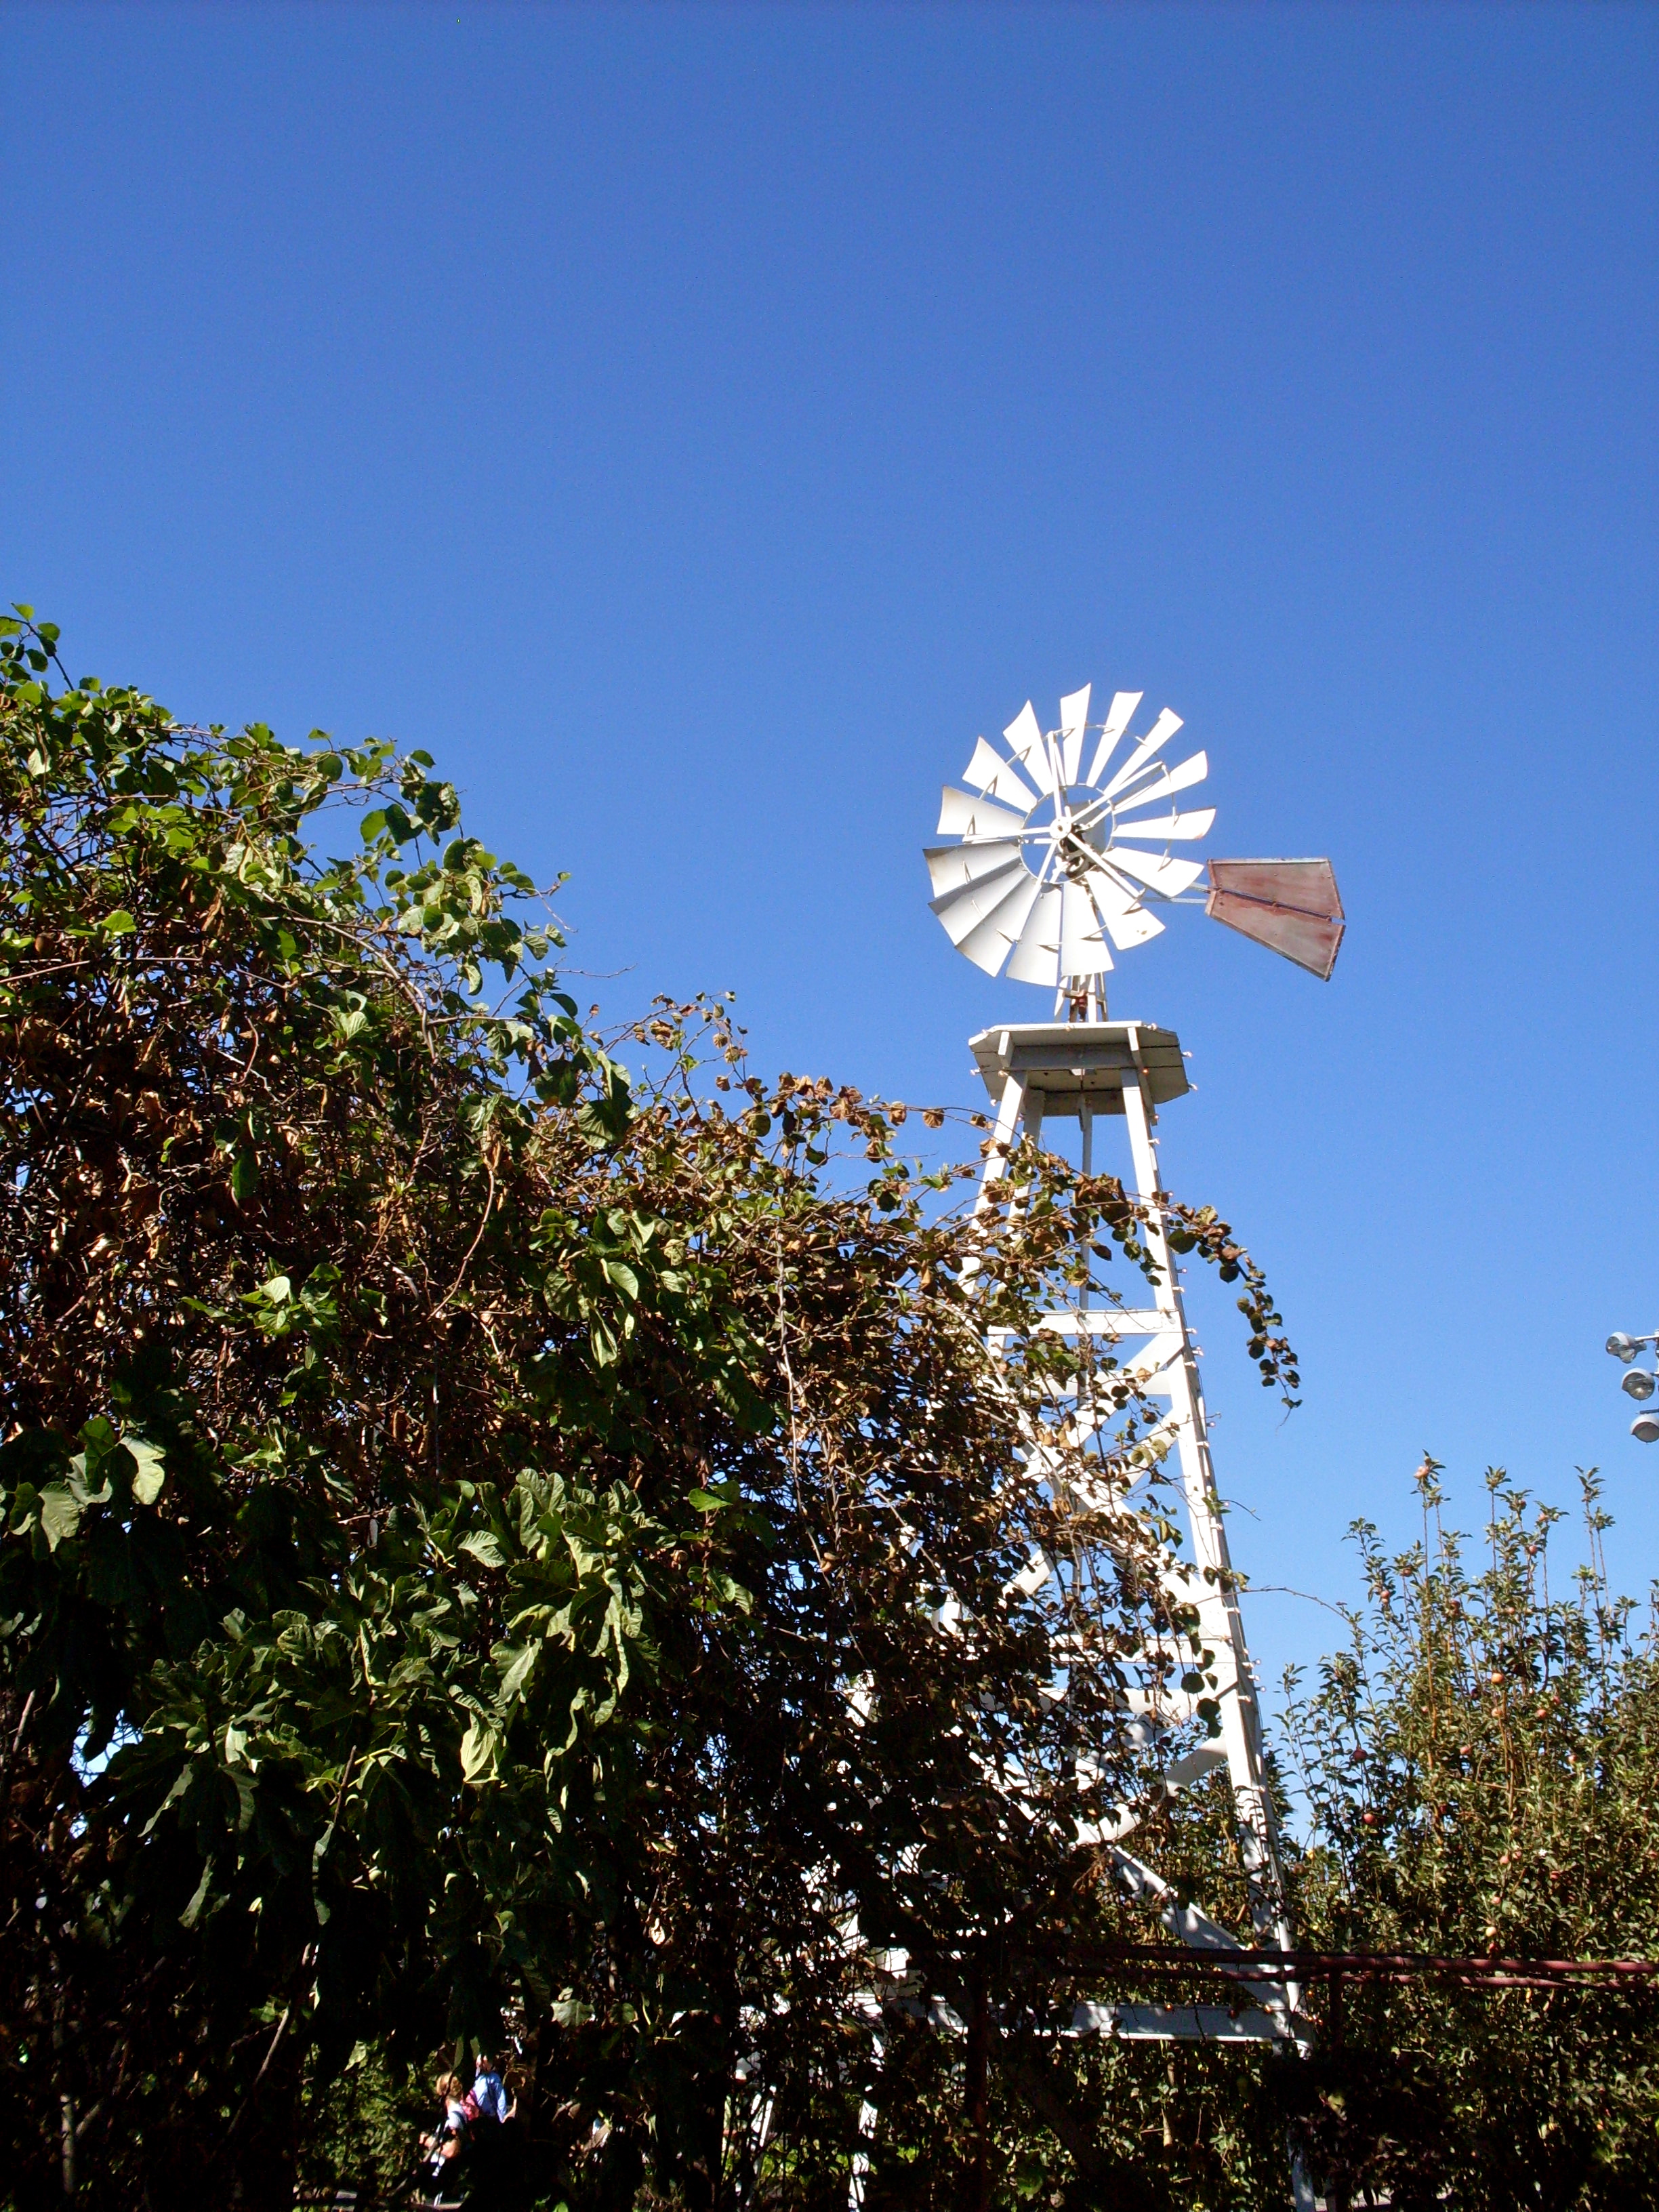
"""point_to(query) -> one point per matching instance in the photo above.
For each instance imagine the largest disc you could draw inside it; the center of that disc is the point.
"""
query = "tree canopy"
(486, 1535)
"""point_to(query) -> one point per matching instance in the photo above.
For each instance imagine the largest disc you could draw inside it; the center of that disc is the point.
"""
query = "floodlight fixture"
(1624, 1347)
(1645, 1427)
(1638, 1382)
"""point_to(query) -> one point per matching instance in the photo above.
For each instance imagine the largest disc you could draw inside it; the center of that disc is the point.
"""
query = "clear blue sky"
(695, 424)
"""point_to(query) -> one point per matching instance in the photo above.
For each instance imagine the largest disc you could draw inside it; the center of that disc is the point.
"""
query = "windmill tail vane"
(1056, 868)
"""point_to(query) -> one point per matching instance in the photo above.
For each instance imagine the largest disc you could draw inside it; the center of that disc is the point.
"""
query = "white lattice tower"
(1121, 1073)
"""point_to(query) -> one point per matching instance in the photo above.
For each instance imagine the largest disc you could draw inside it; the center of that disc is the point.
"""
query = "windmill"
(1054, 870)
(1069, 846)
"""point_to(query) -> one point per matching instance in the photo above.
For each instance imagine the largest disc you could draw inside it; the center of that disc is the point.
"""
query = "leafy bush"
(485, 1539)
(1481, 1765)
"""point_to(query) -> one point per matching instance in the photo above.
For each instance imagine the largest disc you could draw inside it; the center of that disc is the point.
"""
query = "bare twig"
(489, 1207)
(17, 1744)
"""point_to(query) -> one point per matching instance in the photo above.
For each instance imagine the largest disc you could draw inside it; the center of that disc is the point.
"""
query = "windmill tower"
(1053, 871)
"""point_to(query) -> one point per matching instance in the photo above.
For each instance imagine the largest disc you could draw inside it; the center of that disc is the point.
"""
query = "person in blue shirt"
(490, 2092)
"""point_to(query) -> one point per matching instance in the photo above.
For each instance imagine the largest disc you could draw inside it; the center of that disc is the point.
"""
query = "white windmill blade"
(1122, 714)
(1003, 858)
(1073, 721)
(1162, 827)
(1025, 742)
(1082, 949)
(1035, 958)
(1189, 772)
(1126, 921)
(961, 814)
(961, 911)
(950, 866)
(1159, 874)
(1000, 778)
(989, 945)
(974, 864)
(987, 883)
(1135, 928)
(1160, 733)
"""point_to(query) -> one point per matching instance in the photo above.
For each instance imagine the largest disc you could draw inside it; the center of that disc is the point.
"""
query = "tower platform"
(1079, 1064)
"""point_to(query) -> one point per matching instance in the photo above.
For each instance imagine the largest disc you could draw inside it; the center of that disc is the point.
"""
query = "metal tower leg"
(1215, 1592)
(869, 2115)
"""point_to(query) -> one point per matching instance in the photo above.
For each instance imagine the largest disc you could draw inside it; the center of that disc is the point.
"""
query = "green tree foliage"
(484, 1538)
(1481, 1765)
(1475, 1776)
